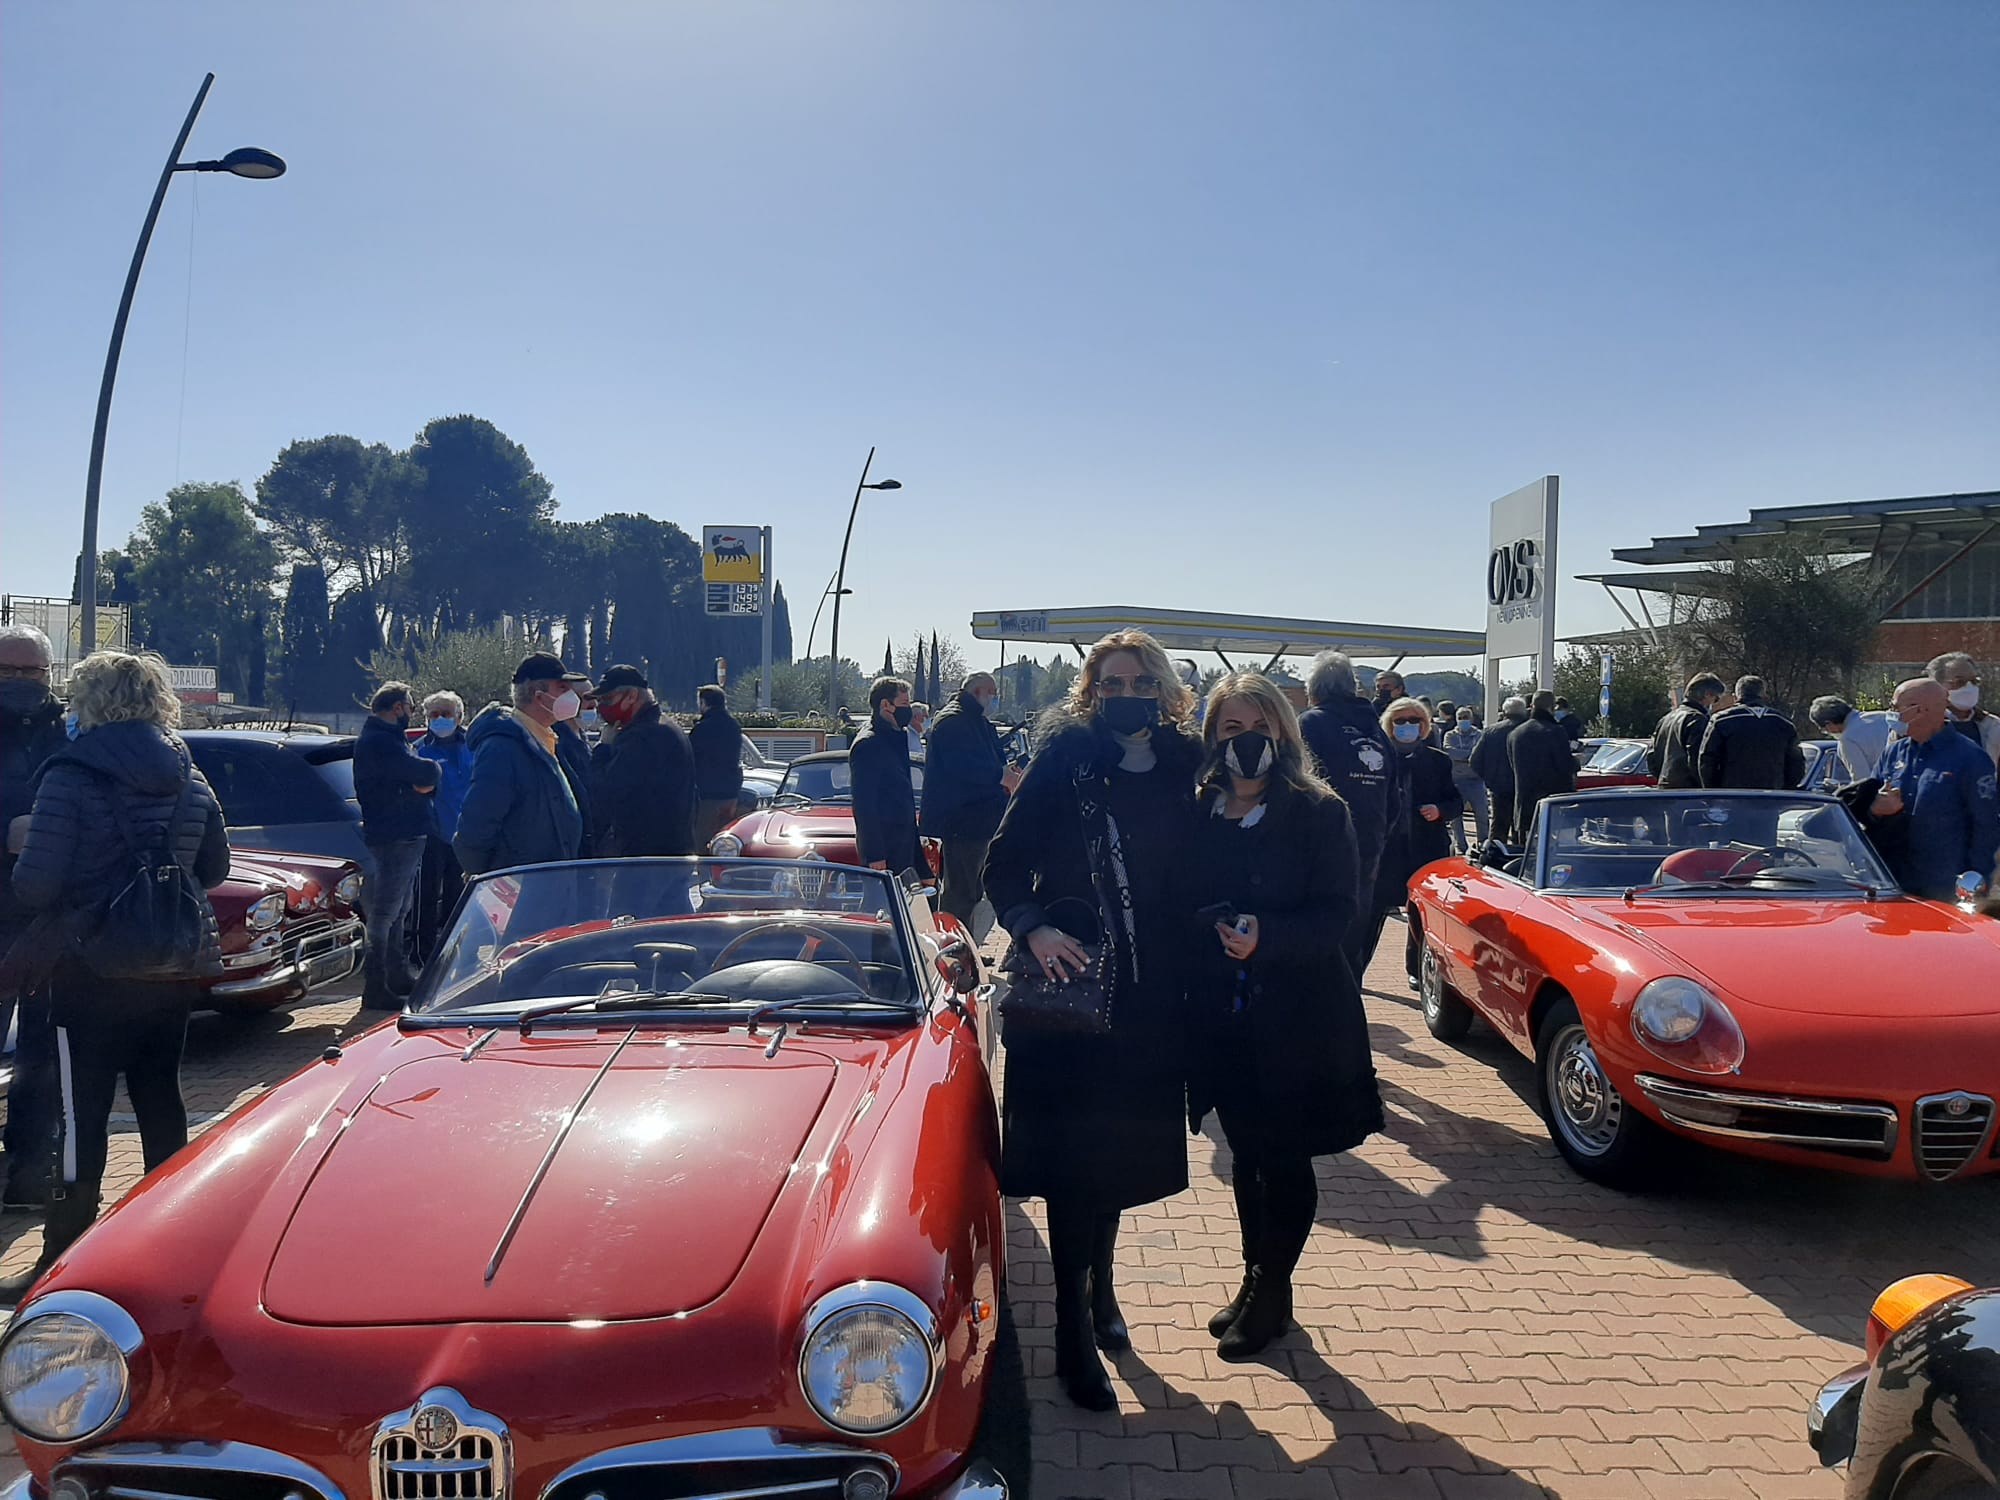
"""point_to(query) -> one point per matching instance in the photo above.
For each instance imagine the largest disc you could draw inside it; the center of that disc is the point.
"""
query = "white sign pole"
(1520, 587)
(769, 610)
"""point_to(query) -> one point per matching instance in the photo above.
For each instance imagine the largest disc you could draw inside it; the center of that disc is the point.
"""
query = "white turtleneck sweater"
(1136, 751)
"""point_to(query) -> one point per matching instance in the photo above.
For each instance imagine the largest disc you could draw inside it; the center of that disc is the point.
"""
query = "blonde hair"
(1403, 706)
(116, 687)
(1281, 723)
(1176, 702)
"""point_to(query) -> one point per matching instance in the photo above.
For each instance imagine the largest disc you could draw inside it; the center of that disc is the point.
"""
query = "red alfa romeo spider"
(1734, 967)
(811, 816)
(677, 1179)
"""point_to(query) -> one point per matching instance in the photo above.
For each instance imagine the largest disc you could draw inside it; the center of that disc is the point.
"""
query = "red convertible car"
(288, 924)
(677, 1179)
(811, 817)
(1737, 968)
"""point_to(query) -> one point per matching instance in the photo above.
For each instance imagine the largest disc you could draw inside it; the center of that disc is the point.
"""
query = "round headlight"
(63, 1375)
(349, 890)
(1680, 1022)
(727, 845)
(266, 912)
(866, 1368)
(1670, 1010)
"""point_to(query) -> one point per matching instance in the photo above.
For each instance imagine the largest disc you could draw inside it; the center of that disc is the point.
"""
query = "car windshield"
(674, 934)
(833, 780)
(1704, 844)
(1617, 758)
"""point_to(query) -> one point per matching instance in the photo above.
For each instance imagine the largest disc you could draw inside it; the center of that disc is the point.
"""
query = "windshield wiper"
(1741, 883)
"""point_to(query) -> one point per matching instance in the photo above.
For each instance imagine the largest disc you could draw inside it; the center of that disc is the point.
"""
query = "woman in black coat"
(126, 766)
(1432, 803)
(1280, 1034)
(1093, 1123)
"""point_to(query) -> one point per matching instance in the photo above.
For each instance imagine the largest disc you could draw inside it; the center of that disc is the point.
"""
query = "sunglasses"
(1139, 687)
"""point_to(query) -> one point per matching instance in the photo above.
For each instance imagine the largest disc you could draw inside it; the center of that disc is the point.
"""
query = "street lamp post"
(247, 161)
(840, 582)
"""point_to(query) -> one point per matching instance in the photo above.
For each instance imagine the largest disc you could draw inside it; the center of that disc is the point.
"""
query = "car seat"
(1686, 866)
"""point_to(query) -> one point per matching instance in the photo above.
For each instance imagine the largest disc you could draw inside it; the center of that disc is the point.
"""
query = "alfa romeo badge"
(434, 1428)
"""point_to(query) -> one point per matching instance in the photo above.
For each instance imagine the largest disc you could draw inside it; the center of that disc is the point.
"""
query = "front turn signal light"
(1901, 1304)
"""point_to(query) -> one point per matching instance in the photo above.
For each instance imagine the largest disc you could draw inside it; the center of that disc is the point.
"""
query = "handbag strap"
(121, 814)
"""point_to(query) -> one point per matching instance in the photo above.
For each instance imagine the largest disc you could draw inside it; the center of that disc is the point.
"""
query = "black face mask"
(1129, 715)
(19, 695)
(904, 715)
(1250, 755)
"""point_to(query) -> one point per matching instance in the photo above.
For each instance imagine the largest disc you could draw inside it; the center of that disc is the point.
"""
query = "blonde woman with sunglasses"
(1281, 1039)
(1093, 1122)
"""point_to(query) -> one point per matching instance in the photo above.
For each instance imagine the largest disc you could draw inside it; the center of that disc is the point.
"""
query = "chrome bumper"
(1834, 1418)
(979, 1482)
(1842, 1125)
(319, 959)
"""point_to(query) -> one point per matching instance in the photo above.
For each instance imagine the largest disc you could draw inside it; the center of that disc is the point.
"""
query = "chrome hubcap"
(1588, 1110)
(1433, 985)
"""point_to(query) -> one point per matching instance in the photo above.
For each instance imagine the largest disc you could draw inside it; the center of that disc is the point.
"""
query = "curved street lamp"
(840, 588)
(246, 161)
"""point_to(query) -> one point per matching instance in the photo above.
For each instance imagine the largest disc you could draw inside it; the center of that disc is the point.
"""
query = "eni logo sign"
(1514, 574)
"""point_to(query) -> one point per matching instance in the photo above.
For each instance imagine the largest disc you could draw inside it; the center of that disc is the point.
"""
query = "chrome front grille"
(1950, 1131)
(1847, 1127)
(467, 1470)
(440, 1449)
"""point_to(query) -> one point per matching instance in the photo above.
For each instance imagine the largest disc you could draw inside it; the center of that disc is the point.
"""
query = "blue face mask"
(69, 726)
(444, 729)
(1409, 734)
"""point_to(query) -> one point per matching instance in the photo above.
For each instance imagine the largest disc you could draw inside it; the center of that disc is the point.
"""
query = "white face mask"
(1964, 699)
(566, 706)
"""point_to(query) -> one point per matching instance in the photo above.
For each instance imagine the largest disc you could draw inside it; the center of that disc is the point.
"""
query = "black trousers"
(439, 882)
(30, 1141)
(964, 860)
(105, 1028)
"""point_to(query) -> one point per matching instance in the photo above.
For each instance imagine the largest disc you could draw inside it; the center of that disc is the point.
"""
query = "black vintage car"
(1920, 1420)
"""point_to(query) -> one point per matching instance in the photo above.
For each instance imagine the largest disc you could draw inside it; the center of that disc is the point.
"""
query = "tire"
(1446, 1016)
(1596, 1131)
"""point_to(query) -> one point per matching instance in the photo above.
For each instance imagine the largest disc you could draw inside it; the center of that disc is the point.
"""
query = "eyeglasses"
(1139, 687)
(1418, 722)
(11, 672)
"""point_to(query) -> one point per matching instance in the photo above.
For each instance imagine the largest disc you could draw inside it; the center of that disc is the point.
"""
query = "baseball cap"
(544, 666)
(620, 676)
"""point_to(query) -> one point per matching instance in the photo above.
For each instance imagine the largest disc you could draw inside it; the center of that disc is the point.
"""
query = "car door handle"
(1456, 884)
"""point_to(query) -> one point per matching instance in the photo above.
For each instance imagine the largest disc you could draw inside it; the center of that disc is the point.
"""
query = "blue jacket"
(1951, 812)
(519, 809)
(454, 763)
(393, 785)
(885, 800)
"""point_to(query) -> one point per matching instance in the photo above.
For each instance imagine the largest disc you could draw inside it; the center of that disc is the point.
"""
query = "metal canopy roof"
(1666, 581)
(1856, 526)
(1248, 635)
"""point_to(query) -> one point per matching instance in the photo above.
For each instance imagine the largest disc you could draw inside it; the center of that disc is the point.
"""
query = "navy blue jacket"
(717, 743)
(963, 797)
(645, 789)
(579, 763)
(519, 809)
(885, 803)
(1347, 743)
(394, 785)
(1951, 812)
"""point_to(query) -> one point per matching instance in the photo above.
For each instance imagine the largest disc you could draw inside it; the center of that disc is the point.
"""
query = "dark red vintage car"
(677, 1179)
(288, 925)
(811, 817)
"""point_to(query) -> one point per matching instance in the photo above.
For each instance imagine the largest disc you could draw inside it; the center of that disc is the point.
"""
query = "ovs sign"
(1513, 574)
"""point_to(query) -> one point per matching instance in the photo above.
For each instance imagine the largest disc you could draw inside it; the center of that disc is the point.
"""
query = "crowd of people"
(1223, 870)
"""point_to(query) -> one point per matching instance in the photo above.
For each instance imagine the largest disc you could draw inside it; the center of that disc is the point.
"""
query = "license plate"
(330, 966)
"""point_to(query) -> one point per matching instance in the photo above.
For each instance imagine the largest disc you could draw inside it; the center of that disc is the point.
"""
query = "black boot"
(1106, 1321)
(1248, 1188)
(1266, 1314)
(1077, 1364)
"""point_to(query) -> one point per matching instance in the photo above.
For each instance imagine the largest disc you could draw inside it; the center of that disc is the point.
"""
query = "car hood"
(1899, 957)
(534, 1183)
(806, 825)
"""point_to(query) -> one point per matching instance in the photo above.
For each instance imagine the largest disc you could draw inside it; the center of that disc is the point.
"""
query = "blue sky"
(1248, 307)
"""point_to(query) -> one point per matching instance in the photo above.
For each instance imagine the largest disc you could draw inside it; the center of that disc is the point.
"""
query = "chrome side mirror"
(958, 964)
(1969, 889)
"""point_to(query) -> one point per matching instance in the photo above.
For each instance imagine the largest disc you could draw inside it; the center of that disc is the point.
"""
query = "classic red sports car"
(1738, 968)
(1614, 763)
(811, 817)
(288, 925)
(677, 1179)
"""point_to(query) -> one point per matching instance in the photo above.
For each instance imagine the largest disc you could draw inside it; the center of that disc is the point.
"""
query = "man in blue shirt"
(1940, 798)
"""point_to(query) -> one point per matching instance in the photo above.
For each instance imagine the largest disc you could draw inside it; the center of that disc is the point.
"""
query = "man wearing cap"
(644, 792)
(520, 808)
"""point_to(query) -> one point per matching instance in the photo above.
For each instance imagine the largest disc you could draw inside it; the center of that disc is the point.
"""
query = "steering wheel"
(844, 955)
(1780, 854)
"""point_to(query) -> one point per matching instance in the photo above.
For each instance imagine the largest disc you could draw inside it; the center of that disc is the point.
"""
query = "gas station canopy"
(1248, 636)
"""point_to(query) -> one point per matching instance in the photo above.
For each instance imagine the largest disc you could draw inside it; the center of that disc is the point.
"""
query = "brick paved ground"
(1478, 1323)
